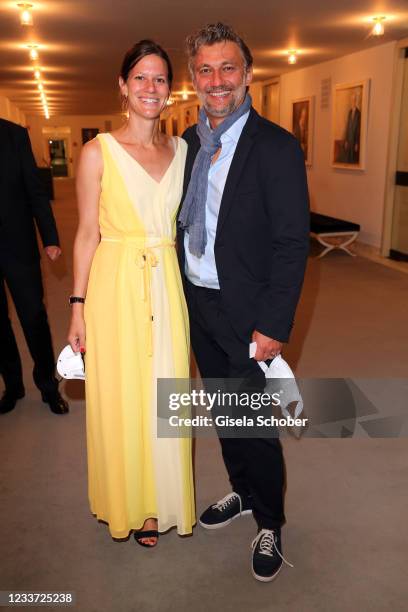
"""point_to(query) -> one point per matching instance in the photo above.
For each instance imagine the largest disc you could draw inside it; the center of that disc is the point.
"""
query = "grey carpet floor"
(346, 500)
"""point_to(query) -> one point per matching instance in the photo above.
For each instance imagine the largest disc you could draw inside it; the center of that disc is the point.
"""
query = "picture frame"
(189, 116)
(88, 134)
(303, 125)
(349, 125)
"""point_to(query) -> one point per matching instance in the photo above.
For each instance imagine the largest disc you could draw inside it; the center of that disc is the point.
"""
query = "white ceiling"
(82, 42)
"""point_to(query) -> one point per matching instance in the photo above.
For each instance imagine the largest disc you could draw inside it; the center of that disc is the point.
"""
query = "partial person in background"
(23, 204)
(128, 309)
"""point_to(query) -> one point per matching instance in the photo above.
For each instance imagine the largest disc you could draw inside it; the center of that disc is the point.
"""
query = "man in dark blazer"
(23, 202)
(243, 273)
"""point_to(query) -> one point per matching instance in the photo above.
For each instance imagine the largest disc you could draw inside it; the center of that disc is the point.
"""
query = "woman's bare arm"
(88, 189)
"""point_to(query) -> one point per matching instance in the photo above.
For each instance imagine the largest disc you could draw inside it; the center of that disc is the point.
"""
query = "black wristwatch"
(73, 299)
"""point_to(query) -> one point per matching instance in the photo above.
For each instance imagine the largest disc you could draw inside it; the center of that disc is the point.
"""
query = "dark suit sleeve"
(286, 195)
(39, 203)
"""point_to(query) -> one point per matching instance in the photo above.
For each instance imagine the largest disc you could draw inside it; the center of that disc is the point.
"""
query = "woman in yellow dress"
(128, 309)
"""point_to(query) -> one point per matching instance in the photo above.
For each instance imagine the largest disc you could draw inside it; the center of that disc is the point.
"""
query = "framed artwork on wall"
(350, 120)
(88, 134)
(188, 119)
(190, 116)
(302, 125)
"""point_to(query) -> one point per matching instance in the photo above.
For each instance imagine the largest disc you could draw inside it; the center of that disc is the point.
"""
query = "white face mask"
(70, 365)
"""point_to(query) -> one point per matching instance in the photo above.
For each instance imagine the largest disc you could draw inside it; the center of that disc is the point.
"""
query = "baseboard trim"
(373, 253)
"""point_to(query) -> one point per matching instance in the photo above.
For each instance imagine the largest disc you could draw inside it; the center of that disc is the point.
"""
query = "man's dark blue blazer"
(262, 238)
(22, 198)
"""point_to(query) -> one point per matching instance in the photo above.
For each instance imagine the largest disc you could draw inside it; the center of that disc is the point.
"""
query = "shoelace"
(268, 544)
(226, 501)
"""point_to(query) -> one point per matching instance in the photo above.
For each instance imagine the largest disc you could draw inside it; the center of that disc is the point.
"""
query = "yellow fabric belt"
(146, 259)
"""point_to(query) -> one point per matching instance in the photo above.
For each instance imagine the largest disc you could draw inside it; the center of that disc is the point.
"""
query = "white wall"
(349, 194)
(352, 195)
(69, 127)
(10, 111)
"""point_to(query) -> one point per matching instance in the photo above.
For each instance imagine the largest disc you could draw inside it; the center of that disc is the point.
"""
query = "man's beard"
(238, 97)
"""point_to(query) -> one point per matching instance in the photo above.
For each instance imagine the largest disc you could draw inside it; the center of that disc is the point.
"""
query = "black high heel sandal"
(141, 535)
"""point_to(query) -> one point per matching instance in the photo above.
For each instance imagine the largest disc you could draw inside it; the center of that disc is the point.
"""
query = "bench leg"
(330, 247)
(347, 243)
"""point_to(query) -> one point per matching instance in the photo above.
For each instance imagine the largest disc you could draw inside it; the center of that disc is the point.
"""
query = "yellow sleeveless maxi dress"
(136, 331)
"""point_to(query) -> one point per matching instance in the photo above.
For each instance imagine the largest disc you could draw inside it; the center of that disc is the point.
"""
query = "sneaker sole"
(265, 578)
(225, 523)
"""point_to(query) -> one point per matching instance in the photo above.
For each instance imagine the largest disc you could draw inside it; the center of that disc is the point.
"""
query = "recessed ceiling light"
(292, 56)
(378, 29)
(26, 17)
(33, 51)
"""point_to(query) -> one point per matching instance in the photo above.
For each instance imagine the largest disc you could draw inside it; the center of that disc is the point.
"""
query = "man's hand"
(53, 252)
(266, 348)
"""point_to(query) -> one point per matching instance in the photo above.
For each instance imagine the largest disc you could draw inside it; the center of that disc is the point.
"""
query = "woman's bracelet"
(73, 299)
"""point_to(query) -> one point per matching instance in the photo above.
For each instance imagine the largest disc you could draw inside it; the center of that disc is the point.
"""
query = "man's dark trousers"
(25, 285)
(255, 465)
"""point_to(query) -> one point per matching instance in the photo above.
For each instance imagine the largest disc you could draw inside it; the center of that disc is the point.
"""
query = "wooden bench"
(323, 227)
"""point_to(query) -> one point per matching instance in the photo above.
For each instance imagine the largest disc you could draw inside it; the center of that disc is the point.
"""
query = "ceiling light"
(40, 86)
(37, 74)
(292, 56)
(26, 17)
(378, 29)
(185, 95)
(33, 52)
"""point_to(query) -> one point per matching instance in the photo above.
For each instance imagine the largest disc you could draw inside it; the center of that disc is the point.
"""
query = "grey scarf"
(192, 215)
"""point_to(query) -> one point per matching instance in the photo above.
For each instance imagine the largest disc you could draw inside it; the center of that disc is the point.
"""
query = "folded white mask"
(70, 365)
(279, 369)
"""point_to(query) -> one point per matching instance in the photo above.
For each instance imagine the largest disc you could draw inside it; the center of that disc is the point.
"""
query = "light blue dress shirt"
(202, 271)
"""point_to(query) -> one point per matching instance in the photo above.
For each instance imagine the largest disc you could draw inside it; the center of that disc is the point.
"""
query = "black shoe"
(9, 399)
(225, 511)
(144, 535)
(267, 558)
(56, 403)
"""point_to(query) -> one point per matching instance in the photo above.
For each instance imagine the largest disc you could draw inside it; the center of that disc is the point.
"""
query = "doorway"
(58, 158)
(399, 235)
(270, 101)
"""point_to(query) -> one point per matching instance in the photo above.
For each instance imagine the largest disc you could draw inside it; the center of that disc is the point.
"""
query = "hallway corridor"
(345, 501)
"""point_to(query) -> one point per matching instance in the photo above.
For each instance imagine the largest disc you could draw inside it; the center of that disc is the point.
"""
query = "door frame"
(59, 133)
(393, 140)
(273, 81)
(65, 140)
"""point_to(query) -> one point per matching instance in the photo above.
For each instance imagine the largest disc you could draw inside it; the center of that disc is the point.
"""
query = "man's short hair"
(211, 34)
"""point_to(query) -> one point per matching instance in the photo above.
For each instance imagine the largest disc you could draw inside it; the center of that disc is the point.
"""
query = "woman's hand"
(76, 334)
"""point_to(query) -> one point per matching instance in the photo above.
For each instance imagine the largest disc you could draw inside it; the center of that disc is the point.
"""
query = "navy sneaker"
(267, 558)
(225, 511)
